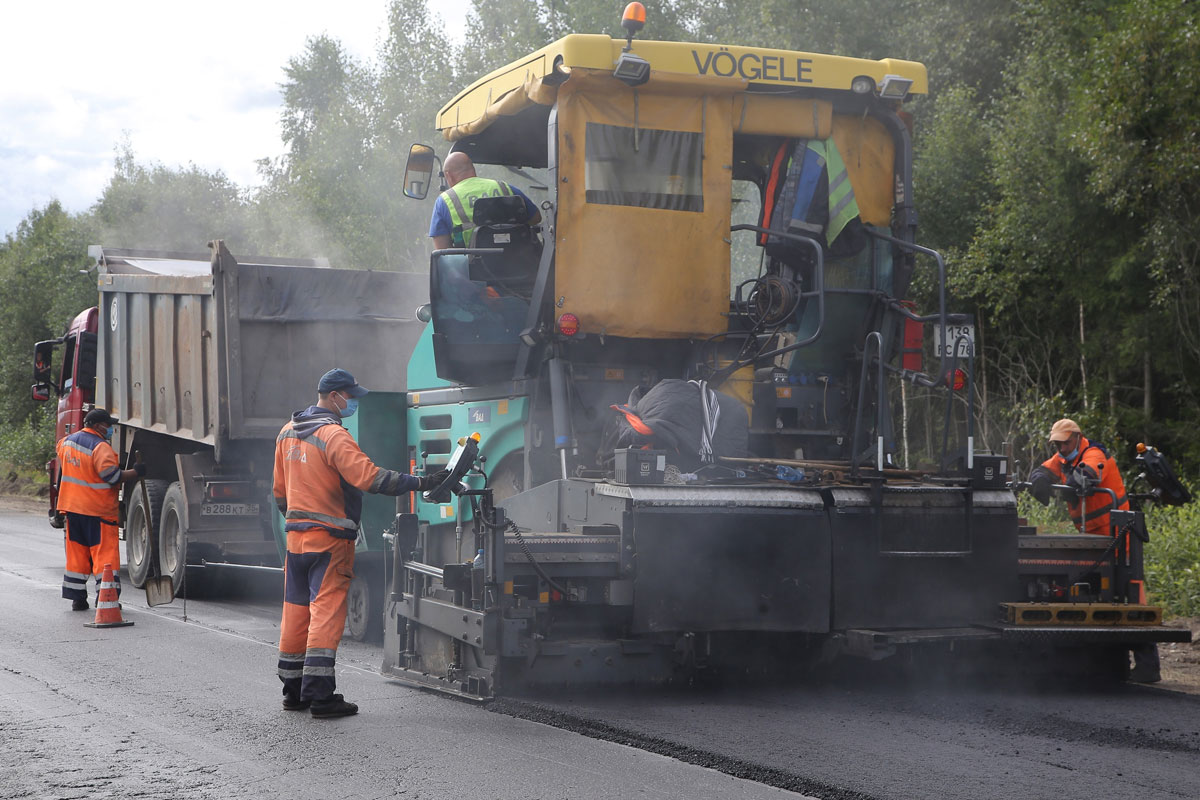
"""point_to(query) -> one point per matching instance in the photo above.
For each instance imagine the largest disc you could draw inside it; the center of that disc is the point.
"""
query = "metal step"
(1080, 614)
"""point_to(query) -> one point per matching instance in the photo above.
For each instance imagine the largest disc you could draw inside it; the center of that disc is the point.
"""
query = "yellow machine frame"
(654, 273)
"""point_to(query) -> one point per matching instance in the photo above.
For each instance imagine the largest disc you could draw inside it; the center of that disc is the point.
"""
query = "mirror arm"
(441, 173)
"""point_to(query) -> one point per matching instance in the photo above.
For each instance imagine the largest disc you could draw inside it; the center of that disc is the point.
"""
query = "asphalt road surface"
(189, 708)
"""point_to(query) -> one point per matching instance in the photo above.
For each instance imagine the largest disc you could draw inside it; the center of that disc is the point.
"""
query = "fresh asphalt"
(189, 708)
(182, 710)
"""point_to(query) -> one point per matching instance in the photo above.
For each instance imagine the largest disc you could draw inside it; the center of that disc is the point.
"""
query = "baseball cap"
(338, 380)
(1063, 429)
(99, 417)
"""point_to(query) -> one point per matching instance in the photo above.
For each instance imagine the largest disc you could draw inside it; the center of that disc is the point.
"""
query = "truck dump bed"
(214, 350)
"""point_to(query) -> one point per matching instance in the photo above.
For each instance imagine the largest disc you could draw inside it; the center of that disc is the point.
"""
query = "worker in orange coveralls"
(1076, 461)
(1074, 452)
(320, 476)
(89, 480)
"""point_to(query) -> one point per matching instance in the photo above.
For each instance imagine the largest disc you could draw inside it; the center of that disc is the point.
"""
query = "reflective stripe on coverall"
(1093, 517)
(88, 496)
(90, 475)
(316, 578)
(320, 475)
(90, 544)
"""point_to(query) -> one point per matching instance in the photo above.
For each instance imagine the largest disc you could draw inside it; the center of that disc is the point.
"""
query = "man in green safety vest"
(452, 225)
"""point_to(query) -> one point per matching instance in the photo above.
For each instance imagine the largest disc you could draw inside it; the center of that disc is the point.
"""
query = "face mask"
(351, 407)
(1071, 455)
(108, 432)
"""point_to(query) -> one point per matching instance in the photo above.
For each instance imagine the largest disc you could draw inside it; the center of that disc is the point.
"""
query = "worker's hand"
(1040, 481)
(428, 483)
(139, 469)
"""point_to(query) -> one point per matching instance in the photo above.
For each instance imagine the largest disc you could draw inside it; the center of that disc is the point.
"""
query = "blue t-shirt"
(440, 224)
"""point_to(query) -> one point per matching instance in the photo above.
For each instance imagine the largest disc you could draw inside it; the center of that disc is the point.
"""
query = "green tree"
(151, 206)
(43, 288)
(318, 197)
(1136, 112)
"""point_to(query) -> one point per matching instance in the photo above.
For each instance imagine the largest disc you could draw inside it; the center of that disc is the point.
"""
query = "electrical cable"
(512, 526)
(536, 566)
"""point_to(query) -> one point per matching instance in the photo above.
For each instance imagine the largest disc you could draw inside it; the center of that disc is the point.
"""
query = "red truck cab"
(75, 386)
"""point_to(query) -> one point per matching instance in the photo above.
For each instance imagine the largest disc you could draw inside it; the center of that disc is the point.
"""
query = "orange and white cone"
(108, 610)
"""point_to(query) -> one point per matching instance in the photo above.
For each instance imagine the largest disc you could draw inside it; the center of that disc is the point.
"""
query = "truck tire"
(172, 549)
(364, 611)
(138, 533)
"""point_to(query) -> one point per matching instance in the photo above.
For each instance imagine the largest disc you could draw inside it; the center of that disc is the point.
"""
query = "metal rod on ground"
(792, 462)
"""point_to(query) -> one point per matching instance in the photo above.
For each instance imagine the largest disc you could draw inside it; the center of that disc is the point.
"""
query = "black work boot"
(80, 605)
(1145, 664)
(333, 706)
(293, 703)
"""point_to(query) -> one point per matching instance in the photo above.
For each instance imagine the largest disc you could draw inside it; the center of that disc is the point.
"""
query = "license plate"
(229, 509)
(944, 342)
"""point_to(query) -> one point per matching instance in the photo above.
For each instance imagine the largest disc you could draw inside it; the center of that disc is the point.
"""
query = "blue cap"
(338, 380)
(99, 418)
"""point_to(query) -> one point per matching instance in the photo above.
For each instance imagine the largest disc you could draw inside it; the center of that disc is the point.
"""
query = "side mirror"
(418, 171)
(41, 392)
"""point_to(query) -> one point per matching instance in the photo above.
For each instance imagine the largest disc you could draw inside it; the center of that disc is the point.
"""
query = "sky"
(187, 83)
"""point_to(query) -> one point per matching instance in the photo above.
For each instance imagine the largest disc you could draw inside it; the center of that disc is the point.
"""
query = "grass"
(28, 445)
(1173, 558)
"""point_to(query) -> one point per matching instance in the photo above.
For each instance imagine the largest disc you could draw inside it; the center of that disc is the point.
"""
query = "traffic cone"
(108, 610)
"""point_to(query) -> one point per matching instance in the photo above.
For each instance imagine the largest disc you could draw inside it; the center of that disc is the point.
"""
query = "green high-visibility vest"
(460, 202)
(842, 205)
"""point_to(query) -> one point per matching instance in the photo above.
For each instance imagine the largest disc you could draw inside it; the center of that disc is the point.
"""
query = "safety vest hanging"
(460, 202)
(842, 205)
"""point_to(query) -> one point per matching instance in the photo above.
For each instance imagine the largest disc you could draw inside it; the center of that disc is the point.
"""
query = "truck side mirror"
(41, 392)
(418, 171)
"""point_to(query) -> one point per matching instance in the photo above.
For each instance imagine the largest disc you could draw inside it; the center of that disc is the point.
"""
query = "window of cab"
(643, 167)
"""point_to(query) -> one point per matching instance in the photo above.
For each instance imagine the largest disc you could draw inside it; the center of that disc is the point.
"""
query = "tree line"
(1057, 166)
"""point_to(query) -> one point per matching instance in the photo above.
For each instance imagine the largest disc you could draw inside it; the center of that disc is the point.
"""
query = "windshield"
(471, 311)
(745, 256)
(534, 182)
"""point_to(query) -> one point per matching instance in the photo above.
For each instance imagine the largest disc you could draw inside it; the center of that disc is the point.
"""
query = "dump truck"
(202, 357)
(675, 415)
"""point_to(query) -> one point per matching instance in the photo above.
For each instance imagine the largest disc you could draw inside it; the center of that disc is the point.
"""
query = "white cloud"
(186, 83)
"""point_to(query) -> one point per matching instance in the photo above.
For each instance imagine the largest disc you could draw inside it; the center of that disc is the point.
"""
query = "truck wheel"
(172, 542)
(138, 532)
(364, 615)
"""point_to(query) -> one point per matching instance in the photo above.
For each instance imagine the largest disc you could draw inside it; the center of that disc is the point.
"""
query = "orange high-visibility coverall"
(88, 495)
(1092, 515)
(320, 475)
